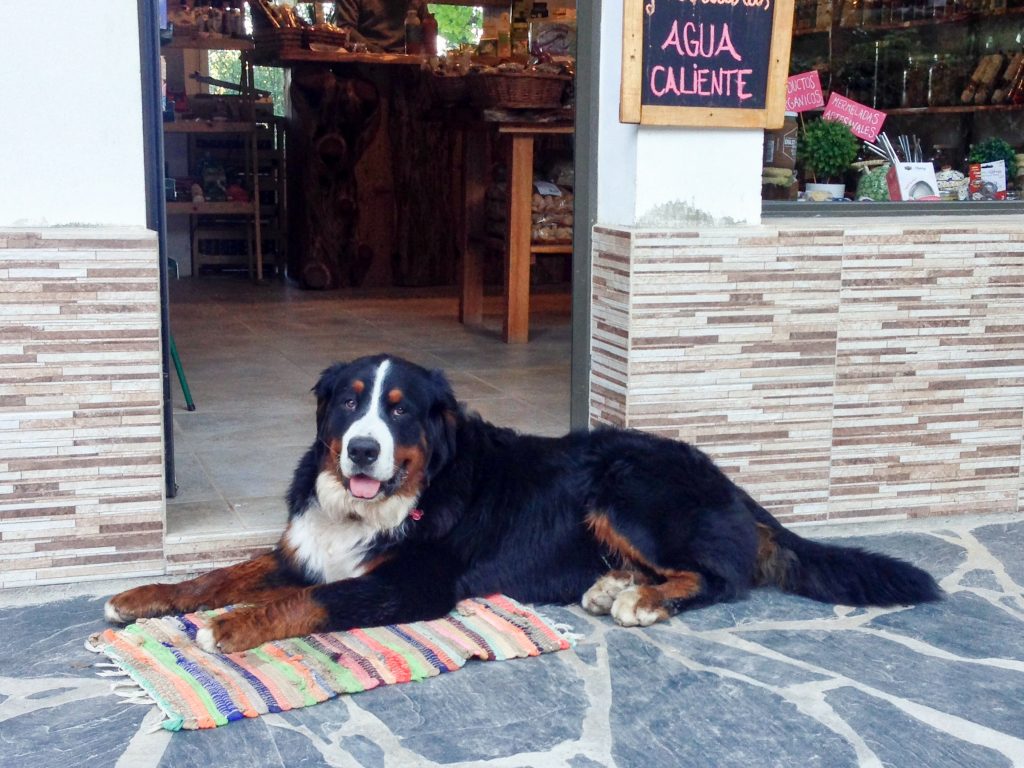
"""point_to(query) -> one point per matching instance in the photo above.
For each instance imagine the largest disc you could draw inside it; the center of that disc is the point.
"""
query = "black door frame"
(588, 65)
(156, 216)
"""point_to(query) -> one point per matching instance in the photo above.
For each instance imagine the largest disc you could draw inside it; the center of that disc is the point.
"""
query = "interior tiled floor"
(251, 354)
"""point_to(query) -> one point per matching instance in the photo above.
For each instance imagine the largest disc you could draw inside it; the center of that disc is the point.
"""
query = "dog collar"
(416, 514)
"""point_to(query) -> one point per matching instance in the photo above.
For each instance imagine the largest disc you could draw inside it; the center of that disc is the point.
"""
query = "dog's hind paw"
(113, 615)
(599, 598)
(206, 640)
(633, 607)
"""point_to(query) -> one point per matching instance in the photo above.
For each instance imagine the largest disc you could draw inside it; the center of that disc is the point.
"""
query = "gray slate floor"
(770, 681)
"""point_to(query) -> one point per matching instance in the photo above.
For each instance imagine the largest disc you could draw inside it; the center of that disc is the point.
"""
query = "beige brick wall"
(844, 370)
(81, 440)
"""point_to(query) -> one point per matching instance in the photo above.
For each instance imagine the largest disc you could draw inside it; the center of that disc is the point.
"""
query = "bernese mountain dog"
(406, 504)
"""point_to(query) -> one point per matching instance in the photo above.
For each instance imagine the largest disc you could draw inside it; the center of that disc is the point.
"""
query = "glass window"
(948, 75)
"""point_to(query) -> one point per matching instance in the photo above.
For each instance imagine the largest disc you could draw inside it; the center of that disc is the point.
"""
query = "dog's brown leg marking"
(644, 605)
(291, 615)
(606, 534)
(773, 562)
(683, 585)
(244, 582)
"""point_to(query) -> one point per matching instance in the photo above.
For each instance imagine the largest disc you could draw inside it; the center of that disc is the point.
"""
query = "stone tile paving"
(771, 681)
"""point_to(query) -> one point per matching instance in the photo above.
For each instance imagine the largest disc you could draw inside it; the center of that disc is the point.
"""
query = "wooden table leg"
(517, 241)
(473, 192)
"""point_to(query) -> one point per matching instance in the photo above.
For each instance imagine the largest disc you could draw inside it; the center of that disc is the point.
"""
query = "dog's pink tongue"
(364, 487)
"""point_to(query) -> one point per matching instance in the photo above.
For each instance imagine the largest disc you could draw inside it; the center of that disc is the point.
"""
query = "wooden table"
(518, 247)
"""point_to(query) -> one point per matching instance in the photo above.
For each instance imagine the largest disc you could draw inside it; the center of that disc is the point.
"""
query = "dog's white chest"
(329, 549)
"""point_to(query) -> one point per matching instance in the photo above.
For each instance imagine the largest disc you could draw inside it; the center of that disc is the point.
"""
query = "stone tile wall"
(81, 439)
(857, 368)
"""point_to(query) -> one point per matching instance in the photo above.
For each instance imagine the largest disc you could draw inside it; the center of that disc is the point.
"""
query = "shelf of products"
(947, 73)
(232, 188)
(226, 208)
(209, 126)
(209, 44)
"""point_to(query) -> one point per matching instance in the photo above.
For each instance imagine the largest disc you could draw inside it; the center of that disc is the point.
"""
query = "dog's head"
(388, 426)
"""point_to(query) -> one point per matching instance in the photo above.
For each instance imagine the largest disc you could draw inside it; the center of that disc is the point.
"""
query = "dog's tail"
(835, 574)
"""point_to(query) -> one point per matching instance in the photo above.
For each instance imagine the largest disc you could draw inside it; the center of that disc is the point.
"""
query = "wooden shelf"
(563, 248)
(208, 44)
(535, 247)
(959, 109)
(208, 126)
(210, 208)
(895, 26)
(302, 55)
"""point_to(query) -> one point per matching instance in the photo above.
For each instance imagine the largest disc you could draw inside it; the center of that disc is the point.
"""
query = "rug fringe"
(566, 631)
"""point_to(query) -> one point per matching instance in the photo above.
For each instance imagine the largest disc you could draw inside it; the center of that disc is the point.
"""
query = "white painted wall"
(71, 115)
(665, 176)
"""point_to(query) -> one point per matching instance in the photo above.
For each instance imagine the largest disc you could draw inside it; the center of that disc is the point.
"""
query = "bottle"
(429, 25)
(413, 32)
(943, 81)
(1015, 92)
(915, 83)
(1010, 75)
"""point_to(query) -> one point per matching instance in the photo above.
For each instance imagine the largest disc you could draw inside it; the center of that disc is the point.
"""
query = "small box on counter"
(987, 180)
(912, 181)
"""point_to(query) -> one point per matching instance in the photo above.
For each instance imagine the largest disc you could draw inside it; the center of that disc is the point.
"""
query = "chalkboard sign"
(706, 62)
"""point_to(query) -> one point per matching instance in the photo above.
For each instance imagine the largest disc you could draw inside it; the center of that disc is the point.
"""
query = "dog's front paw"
(140, 603)
(638, 606)
(238, 630)
(599, 598)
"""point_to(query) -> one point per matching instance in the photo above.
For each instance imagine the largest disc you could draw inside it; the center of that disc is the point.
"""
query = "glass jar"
(903, 10)
(915, 83)
(944, 81)
(851, 13)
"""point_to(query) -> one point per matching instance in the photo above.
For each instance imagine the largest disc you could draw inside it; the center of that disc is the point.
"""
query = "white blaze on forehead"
(372, 425)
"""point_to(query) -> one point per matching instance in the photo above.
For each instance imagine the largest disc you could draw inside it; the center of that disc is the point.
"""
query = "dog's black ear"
(324, 390)
(442, 422)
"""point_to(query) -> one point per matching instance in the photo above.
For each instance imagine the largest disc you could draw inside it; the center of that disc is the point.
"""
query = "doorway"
(251, 353)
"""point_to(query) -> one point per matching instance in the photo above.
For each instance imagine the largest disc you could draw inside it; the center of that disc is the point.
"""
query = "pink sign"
(865, 122)
(803, 92)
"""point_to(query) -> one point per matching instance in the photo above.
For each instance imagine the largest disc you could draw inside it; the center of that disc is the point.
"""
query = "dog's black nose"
(363, 451)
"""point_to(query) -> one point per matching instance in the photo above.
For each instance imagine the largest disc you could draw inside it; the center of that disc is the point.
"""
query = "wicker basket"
(324, 39)
(518, 90)
(451, 89)
(269, 44)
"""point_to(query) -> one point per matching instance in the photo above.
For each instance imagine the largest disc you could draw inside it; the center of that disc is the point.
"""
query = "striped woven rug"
(195, 689)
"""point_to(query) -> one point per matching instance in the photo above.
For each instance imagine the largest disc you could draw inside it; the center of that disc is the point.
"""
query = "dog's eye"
(398, 410)
(350, 404)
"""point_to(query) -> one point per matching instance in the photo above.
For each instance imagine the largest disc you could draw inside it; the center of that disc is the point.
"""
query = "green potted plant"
(826, 149)
(990, 150)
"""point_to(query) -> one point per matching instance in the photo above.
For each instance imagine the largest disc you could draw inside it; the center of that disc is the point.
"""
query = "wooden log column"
(339, 111)
(335, 116)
